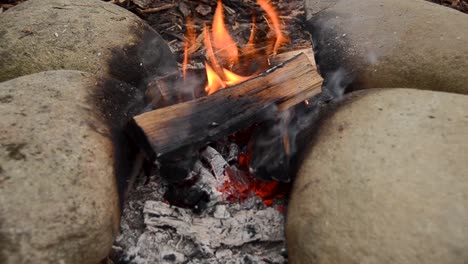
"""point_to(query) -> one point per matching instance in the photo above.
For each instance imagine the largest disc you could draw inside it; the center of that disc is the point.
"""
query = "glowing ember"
(223, 54)
(240, 186)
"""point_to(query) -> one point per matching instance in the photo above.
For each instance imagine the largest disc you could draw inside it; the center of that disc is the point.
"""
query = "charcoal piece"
(277, 145)
(176, 167)
(215, 161)
(192, 198)
(270, 158)
(233, 153)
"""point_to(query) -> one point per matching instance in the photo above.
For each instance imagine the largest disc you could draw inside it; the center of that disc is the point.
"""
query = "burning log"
(196, 122)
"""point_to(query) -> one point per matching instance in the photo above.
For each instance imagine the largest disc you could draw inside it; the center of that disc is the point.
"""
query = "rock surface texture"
(58, 193)
(385, 181)
(390, 43)
(89, 35)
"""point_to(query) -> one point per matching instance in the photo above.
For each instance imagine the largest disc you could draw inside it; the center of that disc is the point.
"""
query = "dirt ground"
(461, 5)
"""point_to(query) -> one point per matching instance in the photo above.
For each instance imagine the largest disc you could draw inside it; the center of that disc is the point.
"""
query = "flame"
(220, 47)
(210, 52)
(232, 78)
(249, 48)
(253, 30)
(223, 43)
(222, 52)
(222, 55)
(214, 82)
(189, 42)
(273, 16)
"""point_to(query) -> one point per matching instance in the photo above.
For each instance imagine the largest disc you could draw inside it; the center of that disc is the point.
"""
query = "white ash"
(216, 162)
(211, 232)
(227, 232)
(208, 183)
(233, 153)
(220, 212)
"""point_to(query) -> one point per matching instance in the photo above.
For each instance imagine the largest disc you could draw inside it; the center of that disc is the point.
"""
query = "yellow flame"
(214, 82)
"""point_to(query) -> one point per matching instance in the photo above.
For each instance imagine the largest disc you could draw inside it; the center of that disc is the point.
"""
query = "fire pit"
(208, 143)
(219, 145)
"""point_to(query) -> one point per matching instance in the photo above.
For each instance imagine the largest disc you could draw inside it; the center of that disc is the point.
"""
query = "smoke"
(278, 143)
(335, 84)
(271, 146)
(155, 55)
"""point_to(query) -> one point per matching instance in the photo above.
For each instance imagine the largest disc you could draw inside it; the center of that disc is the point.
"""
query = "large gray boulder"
(89, 35)
(60, 158)
(385, 181)
(390, 43)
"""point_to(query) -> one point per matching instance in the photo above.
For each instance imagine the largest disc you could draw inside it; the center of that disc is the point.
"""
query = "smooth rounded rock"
(59, 160)
(89, 35)
(384, 181)
(390, 44)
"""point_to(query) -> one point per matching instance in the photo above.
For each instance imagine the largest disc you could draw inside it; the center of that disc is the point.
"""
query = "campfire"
(224, 55)
(162, 131)
(224, 139)
(244, 86)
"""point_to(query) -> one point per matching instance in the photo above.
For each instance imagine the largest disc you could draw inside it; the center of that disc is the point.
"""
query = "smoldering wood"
(200, 189)
(270, 151)
(220, 229)
(208, 182)
(271, 159)
(199, 121)
(233, 154)
(206, 177)
(215, 160)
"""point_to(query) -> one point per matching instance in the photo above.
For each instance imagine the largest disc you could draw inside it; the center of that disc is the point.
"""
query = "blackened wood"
(272, 159)
(208, 118)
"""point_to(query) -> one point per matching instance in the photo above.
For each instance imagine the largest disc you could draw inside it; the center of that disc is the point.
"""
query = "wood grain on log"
(208, 118)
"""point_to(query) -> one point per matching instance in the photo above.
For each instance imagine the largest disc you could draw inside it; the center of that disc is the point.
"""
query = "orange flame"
(273, 16)
(222, 51)
(189, 42)
(224, 44)
(214, 82)
(209, 50)
(253, 30)
(232, 78)
(221, 48)
(249, 48)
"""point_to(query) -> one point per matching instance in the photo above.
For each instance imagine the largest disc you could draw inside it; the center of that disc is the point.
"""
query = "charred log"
(197, 122)
(277, 145)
